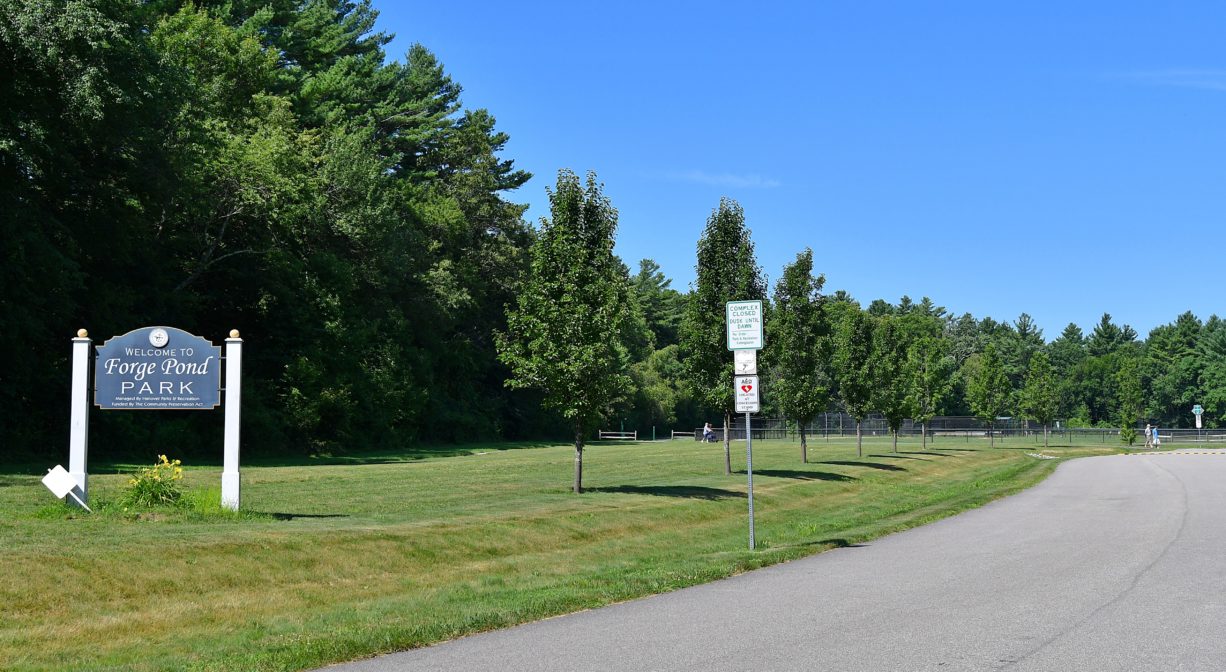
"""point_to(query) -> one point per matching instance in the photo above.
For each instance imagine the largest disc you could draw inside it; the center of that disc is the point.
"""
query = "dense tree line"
(264, 166)
(261, 166)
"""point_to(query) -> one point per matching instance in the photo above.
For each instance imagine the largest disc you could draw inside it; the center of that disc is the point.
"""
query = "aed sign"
(746, 391)
(157, 368)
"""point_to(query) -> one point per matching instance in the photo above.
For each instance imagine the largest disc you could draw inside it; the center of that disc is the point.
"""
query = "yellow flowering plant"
(159, 484)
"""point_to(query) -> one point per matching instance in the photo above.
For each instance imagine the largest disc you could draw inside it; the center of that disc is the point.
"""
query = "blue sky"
(1061, 160)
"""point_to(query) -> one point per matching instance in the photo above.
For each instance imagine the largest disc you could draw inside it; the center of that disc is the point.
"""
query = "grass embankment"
(337, 561)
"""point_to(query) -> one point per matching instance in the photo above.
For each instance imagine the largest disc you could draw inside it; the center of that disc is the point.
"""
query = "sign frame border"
(761, 324)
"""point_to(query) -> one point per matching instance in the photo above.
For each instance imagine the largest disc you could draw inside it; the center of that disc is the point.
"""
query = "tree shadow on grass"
(870, 465)
(832, 543)
(894, 456)
(291, 516)
(683, 491)
(927, 452)
(957, 450)
(801, 475)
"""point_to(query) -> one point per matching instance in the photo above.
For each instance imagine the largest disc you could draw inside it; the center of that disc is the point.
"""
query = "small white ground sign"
(744, 325)
(746, 394)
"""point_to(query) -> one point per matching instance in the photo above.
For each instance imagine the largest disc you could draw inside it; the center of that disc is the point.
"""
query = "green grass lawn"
(335, 560)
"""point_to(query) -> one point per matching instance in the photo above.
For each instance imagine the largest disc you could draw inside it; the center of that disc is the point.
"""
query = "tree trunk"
(991, 435)
(1044, 436)
(727, 444)
(895, 431)
(859, 445)
(804, 447)
(924, 435)
(578, 462)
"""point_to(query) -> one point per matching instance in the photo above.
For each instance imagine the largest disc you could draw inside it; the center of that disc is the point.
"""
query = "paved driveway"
(1113, 563)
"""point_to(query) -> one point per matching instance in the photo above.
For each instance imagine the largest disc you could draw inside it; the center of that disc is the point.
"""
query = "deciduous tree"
(726, 271)
(798, 346)
(929, 371)
(564, 334)
(853, 354)
(989, 389)
(1040, 396)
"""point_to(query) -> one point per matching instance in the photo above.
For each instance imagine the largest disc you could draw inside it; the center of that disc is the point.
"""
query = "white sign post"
(744, 320)
(234, 393)
(78, 427)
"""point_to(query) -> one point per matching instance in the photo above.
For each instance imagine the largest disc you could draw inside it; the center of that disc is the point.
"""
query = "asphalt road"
(1112, 563)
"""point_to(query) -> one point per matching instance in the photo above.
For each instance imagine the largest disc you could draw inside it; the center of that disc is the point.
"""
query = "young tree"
(989, 389)
(726, 271)
(1040, 397)
(930, 371)
(888, 364)
(564, 334)
(853, 354)
(1130, 402)
(796, 350)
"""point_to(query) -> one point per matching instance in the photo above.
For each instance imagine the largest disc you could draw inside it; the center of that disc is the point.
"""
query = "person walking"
(1149, 437)
(1157, 438)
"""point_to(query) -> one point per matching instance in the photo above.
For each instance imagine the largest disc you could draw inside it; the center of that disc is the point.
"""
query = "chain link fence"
(833, 426)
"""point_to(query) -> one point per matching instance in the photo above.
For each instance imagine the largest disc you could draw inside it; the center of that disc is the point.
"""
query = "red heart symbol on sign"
(746, 388)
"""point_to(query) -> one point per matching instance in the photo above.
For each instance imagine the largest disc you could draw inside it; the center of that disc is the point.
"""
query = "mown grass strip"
(330, 562)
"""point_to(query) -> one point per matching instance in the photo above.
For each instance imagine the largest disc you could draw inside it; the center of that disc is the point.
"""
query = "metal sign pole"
(749, 471)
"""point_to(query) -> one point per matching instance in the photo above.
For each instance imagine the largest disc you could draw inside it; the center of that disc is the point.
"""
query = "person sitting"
(708, 434)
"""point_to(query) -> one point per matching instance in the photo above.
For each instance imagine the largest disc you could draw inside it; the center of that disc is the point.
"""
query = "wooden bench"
(602, 435)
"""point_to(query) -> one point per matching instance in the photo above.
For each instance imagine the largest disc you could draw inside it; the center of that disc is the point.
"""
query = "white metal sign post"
(747, 402)
(744, 320)
(1197, 411)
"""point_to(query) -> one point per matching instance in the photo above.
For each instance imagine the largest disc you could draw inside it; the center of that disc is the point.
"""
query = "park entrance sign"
(155, 369)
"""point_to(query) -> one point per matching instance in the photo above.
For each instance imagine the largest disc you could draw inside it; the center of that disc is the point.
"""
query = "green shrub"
(156, 485)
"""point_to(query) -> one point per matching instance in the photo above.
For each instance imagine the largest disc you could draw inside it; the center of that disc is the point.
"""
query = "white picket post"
(78, 432)
(229, 473)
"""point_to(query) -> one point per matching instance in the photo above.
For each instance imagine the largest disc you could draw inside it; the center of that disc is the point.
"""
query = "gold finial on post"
(234, 333)
(81, 333)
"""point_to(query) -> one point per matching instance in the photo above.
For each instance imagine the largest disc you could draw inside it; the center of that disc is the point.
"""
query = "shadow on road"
(684, 491)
